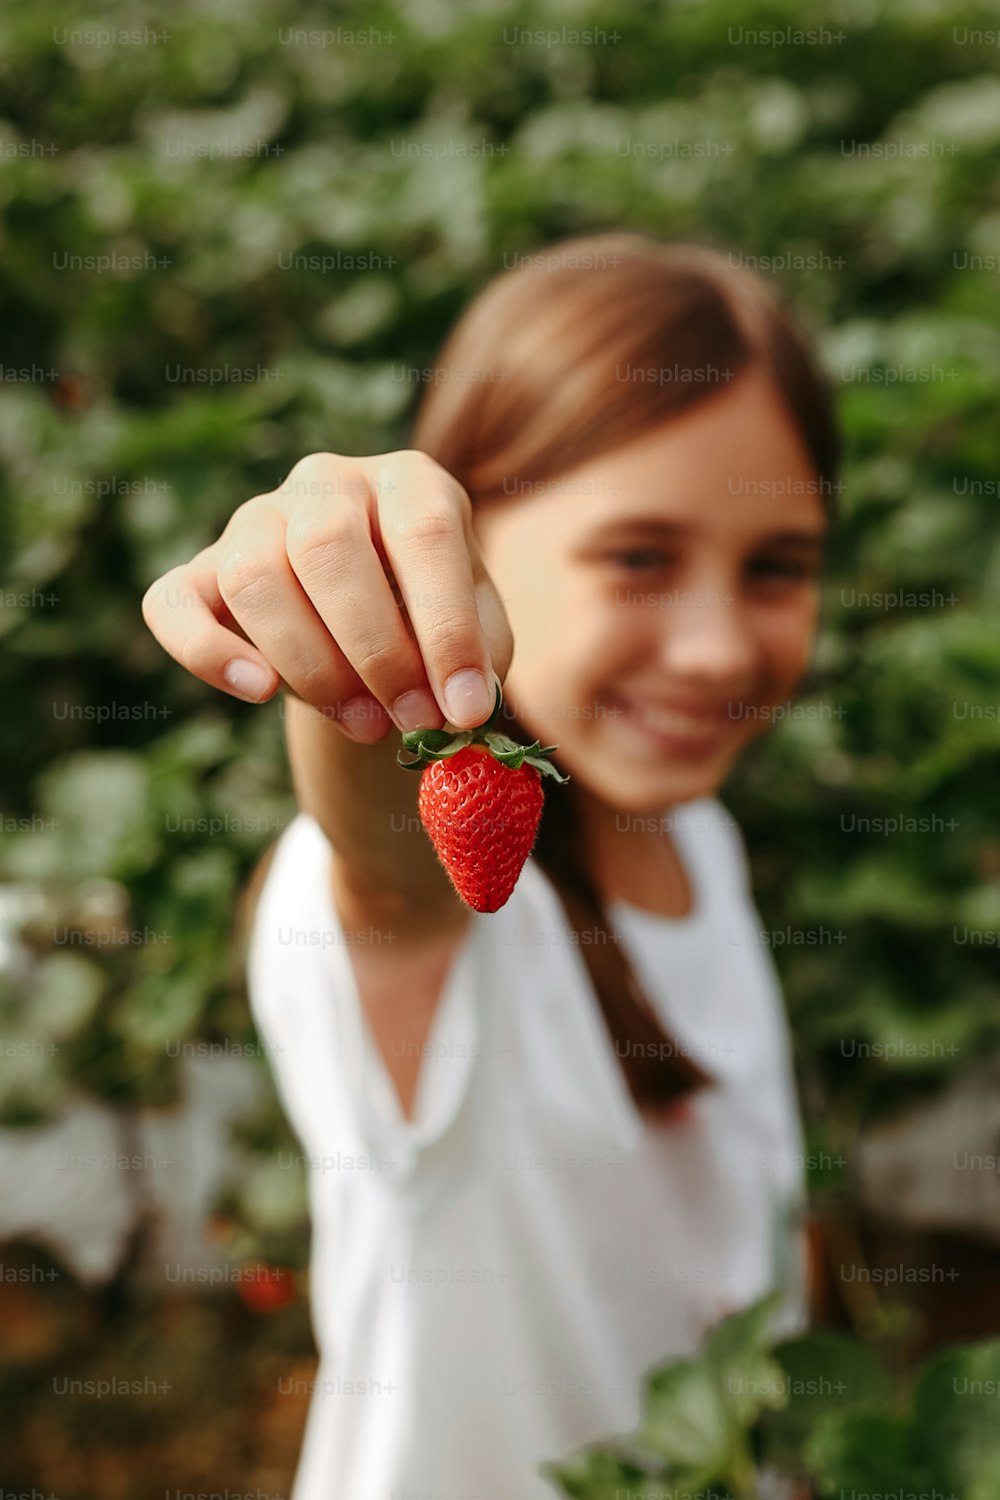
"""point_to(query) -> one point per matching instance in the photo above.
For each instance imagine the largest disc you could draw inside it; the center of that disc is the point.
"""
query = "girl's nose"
(707, 638)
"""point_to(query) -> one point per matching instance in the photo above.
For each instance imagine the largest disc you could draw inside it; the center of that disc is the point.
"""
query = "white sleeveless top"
(491, 1281)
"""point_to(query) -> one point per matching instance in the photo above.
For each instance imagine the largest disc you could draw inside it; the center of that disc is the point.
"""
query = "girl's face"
(663, 597)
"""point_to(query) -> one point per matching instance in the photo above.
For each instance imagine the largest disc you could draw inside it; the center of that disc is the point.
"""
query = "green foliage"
(813, 1371)
(217, 165)
(816, 1408)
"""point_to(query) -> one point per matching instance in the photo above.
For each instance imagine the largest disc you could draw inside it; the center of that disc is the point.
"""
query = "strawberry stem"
(426, 745)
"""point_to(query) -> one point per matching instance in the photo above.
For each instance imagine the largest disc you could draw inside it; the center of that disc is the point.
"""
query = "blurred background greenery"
(230, 191)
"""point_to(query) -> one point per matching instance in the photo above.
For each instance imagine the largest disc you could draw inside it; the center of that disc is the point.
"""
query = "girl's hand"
(300, 589)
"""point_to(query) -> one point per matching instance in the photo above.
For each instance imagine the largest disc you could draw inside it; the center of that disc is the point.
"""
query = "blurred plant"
(271, 236)
(818, 1409)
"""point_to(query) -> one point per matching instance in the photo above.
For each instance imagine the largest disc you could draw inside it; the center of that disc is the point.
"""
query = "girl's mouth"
(684, 732)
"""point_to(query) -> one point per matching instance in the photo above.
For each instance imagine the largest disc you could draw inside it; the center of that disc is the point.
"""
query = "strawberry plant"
(817, 1409)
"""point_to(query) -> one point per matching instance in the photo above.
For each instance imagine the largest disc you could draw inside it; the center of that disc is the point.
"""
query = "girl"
(549, 1147)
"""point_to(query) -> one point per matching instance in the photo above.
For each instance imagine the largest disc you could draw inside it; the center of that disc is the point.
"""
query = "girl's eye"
(781, 569)
(638, 559)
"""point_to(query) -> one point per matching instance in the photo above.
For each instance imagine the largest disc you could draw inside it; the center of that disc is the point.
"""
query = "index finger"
(424, 521)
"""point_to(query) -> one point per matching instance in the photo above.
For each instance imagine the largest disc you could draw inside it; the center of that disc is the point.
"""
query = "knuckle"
(313, 537)
(311, 463)
(241, 576)
(414, 458)
(452, 632)
(316, 682)
(433, 523)
(376, 658)
(413, 465)
(316, 476)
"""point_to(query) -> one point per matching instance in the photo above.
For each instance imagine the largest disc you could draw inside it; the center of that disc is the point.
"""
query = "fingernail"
(415, 710)
(363, 719)
(467, 698)
(247, 679)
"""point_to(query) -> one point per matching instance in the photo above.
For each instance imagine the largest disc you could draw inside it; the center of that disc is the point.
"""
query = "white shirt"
(491, 1281)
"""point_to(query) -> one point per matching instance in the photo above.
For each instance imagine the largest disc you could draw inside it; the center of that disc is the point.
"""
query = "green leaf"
(450, 749)
(598, 1475)
(821, 1372)
(860, 1453)
(431, 739)
(743, 1332)
(502, 744)
(512, 759)
(737, 1348)
(956, 1414)
(687, 1421)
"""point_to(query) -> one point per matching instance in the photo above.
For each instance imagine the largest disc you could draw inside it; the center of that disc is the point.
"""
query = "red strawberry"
(482, 818)
(480, 801)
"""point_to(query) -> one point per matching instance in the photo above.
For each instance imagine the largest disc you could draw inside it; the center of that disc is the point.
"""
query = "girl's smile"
(683, 730)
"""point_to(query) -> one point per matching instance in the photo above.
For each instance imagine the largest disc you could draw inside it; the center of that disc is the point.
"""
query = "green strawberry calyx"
(426, 745)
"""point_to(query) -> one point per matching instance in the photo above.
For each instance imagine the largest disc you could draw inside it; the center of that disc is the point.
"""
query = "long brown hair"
(527, 386)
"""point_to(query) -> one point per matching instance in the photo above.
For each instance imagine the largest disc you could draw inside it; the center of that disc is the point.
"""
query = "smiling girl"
(550, 1146)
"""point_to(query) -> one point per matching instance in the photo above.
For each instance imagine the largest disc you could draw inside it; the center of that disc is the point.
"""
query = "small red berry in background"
(266, 1288)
